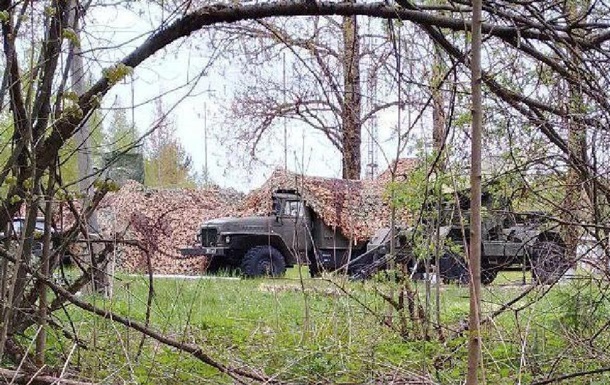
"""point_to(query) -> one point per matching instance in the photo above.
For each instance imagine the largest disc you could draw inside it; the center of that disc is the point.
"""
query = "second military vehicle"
(510, 241)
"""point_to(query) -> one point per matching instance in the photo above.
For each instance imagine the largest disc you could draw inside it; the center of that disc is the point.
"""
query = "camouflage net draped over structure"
(162, 220)
(356, 208)
(401, 169)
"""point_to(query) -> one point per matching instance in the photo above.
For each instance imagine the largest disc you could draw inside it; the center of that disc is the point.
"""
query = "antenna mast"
(372, 140)
(285, 130)
(205, 142)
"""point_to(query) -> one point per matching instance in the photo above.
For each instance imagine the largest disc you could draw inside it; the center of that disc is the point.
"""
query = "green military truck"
(510, 241)
(266, 245)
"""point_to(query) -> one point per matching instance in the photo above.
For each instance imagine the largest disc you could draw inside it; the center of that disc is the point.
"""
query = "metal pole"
(285, 130)
(205, 141)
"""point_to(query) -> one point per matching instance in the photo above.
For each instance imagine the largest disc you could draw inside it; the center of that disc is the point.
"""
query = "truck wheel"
(263, 261)
(314, 265)
(549, 263)
(452, 268)
(488, 274)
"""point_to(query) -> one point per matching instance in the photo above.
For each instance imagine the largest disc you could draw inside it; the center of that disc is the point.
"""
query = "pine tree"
(166, 164)
(121, 134)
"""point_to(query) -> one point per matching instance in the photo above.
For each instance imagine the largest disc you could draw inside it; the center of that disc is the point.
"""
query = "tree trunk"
(99, 280)
(351, 100)
(41, 338)
(438, 139)
(438, 108)
(571, 205)
(577, 147)
(474, 262)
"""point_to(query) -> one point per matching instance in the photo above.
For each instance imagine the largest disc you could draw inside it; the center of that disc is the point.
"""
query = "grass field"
(327, 331)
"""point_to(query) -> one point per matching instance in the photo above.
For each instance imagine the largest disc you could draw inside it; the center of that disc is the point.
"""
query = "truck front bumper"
(218, 257)
(207, 251)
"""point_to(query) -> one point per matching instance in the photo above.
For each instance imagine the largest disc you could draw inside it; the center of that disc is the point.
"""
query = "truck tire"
(488, 274)
(452, 268)
(314, 265)
(263, 261)
(549, 263)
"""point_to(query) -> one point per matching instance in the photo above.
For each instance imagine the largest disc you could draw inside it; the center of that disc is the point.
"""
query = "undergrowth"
(331, 331)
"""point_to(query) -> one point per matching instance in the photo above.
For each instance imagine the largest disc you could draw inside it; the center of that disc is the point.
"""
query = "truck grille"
(208, 237)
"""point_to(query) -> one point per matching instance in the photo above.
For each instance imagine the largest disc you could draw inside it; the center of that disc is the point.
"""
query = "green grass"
(313, 332)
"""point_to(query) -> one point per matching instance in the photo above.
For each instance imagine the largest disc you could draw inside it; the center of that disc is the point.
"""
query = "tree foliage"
(336, 79)
(166, 163)
(121, 134)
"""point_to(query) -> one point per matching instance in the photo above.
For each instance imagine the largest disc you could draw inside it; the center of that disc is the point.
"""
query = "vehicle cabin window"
(293, 209)
(40, 226)
(17, 226)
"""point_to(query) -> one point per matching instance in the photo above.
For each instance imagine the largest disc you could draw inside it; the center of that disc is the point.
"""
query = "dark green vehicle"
(266, 245)
(510, 241)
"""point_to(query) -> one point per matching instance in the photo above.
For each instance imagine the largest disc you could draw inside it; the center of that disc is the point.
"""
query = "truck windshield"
(293, 209)
(18, 224)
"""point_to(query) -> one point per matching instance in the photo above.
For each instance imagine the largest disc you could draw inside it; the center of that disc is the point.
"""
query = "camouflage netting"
(163, 220)
(401, 168)
(357, 208)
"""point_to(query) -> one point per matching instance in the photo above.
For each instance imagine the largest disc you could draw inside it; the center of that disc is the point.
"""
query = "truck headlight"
(228, 239)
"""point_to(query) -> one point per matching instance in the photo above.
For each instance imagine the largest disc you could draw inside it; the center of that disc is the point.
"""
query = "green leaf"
(50, 11)
(73, 111)
(71, 95)
(117, 73)
(70, 34)
(28, 183)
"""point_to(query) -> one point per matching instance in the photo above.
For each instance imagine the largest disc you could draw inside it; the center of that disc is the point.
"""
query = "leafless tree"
(333, 85)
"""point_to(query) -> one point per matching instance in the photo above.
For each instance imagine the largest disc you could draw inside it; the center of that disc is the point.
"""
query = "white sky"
(171, 73)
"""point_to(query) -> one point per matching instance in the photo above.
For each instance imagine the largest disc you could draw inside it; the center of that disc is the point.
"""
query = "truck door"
(296, 225)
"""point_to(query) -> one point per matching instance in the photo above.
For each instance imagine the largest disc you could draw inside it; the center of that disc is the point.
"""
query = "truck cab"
(293, 220)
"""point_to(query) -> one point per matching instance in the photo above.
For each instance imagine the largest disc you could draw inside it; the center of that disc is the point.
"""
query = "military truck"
(292, 233)
(79, 247)
(510, 241)
(17, 226)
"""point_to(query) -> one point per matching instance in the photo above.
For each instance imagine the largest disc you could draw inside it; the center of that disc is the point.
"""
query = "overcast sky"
(195, 105)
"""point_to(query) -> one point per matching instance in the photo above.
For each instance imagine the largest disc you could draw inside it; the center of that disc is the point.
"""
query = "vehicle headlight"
(228, 239)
